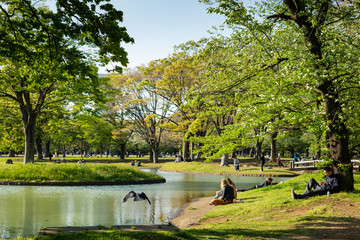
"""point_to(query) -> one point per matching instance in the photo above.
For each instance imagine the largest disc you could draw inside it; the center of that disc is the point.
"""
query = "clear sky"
(158, 25)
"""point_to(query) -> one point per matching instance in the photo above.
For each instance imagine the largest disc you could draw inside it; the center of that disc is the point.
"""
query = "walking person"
(236, 164)
(262, 159)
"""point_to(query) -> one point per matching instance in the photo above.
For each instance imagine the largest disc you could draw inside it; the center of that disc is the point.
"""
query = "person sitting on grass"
(9, 161)
(227, 194)
(331, 185)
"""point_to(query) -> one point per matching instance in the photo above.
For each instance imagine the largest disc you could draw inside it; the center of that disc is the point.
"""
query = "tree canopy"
(44, 55)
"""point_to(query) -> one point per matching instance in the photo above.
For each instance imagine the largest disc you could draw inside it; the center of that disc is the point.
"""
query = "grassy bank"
(266, 213)
(270, 213)
(198, 167)
(48, 172)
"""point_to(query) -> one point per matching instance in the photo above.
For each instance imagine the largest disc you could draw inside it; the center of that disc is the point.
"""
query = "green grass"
(270, 213)
(47, 172)
(214, 168)
(114, 235)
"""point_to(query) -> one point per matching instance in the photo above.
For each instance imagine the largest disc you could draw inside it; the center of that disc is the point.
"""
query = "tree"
(179, 76)
(115, 112)
(146, 109)
(311, 48)
(43, 54)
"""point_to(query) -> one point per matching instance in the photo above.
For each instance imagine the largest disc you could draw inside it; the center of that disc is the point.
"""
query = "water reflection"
(24, 209)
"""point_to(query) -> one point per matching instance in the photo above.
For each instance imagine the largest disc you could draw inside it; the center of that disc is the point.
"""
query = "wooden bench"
(313, 163)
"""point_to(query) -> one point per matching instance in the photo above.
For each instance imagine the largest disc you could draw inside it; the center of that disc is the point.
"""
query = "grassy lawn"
(270, 213)
(47, 172)
(214, 168)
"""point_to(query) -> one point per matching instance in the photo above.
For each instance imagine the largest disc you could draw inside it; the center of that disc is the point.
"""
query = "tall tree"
(317, 57)
(148, 112)
(115, 112)
(43, 54)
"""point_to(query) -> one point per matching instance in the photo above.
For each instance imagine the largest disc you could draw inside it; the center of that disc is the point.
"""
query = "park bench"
(304, 163)
(312, 163)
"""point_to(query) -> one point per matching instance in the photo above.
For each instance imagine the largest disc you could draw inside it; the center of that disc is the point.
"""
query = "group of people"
(228, 192)
(135, 163)
(262, 162)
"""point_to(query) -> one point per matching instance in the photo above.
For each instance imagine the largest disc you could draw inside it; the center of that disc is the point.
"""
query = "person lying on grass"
(331, 185)
(268, 181)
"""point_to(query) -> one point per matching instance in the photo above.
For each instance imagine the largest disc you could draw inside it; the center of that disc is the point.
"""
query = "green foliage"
(44, 55)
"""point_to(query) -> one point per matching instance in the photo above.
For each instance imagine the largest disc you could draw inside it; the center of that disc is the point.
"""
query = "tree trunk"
(338, 133)
(156, 155)
(29, 132)
(224, 160)
(258, 148)
(151, 157)
(47, 148)
(39, 148)
(192, 148)
(64, 151)
(273, 146)
(186, 149)
(11, 153)
(339, 143)
(318, 153)
(251, 152)
(122, 151)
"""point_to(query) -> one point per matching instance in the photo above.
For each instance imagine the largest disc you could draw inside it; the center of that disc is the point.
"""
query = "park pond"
(24, 209)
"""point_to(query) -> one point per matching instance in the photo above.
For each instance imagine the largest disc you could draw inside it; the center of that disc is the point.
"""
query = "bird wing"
(141, 196)
(129, 195)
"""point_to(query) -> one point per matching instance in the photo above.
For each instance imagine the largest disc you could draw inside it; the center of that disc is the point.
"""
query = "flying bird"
(136, 196)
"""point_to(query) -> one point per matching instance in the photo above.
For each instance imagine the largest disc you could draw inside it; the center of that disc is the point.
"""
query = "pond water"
(24, 209)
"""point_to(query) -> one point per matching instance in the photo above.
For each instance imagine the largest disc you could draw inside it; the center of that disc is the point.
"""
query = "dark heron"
(136, 196)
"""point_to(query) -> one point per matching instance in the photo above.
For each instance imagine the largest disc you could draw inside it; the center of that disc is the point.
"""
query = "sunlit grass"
(45, 172)
(271, 213)
(215, 168)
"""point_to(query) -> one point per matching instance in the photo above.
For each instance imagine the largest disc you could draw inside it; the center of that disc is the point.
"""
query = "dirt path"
(192, 212)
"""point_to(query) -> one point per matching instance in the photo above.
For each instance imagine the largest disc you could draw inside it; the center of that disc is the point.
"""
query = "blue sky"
(158, 25)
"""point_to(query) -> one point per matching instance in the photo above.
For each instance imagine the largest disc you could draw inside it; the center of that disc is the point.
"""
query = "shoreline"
(90, 183)
(191, 213)
(234, 174)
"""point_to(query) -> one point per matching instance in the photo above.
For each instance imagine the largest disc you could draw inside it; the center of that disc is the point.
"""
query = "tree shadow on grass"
(314, 228)
(114, 235)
